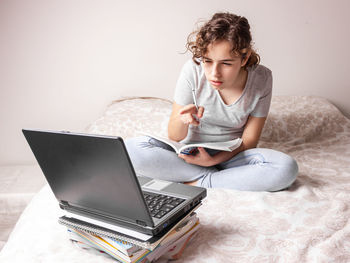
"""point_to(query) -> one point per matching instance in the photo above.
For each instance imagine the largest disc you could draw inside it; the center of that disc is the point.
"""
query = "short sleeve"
(185, 83)
(263, 106)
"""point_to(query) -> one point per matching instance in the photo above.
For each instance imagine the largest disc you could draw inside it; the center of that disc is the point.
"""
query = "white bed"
(310, 222)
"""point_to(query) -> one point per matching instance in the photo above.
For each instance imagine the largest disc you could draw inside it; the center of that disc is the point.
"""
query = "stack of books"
(133, 248)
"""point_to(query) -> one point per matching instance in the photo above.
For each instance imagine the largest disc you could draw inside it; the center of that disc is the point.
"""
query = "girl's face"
(222, 68)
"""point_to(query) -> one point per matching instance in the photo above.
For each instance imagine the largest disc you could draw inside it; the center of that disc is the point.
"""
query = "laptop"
(93, 179)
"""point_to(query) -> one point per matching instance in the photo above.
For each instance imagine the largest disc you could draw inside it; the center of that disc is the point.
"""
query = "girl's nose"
(215, 70)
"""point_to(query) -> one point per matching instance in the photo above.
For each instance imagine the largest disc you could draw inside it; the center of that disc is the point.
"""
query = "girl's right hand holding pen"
(189, 114)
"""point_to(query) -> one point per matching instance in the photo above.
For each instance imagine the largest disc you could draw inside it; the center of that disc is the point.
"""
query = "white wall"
(63, 61)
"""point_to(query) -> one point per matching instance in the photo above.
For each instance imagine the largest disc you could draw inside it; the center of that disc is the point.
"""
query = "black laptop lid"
(90, 172)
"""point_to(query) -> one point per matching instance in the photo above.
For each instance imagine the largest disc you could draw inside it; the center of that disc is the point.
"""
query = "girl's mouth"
(216, 83)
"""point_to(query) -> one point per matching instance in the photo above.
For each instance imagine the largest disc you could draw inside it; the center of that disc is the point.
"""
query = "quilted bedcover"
(309, 222)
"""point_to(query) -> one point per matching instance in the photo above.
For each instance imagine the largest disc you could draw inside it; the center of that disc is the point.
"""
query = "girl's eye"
(227, 64)
(207, 61)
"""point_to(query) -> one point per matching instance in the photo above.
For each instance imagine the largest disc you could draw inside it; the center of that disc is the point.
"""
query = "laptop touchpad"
(157, 185)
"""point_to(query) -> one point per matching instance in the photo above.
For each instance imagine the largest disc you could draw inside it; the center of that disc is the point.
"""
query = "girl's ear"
(246, 57)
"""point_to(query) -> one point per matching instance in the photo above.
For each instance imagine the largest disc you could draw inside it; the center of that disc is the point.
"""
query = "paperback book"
(190, 148)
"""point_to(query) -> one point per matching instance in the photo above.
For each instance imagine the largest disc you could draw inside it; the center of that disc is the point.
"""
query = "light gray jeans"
(257, 169)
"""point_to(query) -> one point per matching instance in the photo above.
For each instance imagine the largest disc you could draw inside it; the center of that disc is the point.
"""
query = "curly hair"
(223, 26)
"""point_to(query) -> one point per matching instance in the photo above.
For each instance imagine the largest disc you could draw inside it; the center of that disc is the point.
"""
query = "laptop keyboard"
(159, 205)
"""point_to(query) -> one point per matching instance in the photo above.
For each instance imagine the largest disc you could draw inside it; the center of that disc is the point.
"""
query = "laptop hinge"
(63, 204)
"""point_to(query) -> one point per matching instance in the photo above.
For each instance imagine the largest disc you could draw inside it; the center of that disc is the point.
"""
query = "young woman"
(233, 93)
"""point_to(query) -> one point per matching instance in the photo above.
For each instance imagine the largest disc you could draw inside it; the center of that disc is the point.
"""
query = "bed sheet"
(309, 222)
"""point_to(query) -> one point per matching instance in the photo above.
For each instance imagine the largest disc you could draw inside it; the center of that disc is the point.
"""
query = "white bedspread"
(310, 222)
(18, 185)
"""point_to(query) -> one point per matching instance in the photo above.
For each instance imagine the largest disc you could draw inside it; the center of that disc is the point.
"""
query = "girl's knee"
(135, 148)
(136, 142)
(288, 173)
(145, 142)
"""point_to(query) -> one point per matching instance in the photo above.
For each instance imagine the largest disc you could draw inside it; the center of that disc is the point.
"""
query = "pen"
(195, 104)
(194, 98)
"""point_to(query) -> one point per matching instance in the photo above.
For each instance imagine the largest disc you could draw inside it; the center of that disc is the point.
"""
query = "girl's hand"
(189, 113)
(202, 158)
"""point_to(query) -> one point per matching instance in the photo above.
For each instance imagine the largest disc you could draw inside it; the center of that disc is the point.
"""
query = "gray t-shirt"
(222, 122)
